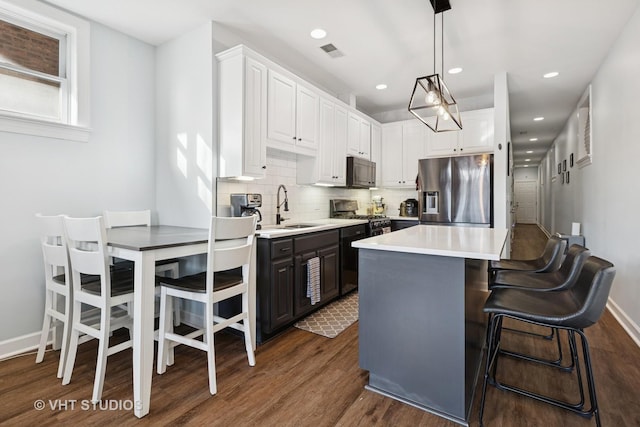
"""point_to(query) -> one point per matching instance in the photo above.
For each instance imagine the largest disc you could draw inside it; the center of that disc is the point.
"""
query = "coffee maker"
(246, 205)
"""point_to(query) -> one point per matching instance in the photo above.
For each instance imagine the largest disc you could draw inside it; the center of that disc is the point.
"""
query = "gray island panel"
(421, 328)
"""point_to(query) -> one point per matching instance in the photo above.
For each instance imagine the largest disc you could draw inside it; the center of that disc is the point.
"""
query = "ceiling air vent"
(331, 50)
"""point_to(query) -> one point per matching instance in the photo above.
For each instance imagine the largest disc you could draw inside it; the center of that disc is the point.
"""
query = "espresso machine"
(246, 205)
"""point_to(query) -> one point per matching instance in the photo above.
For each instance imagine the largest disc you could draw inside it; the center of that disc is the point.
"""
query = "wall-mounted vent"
(332, 51)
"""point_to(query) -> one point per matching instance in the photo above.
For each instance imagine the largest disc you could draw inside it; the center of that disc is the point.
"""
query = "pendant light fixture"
(431, 102)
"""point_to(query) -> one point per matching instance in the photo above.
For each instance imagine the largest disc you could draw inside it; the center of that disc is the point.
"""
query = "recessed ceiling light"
(455, 70)
(526, 166)
(550, 75)
(537, 119)
(527, 160)
(381, 86)
(533, 139)
(318, 33)
(530, 151)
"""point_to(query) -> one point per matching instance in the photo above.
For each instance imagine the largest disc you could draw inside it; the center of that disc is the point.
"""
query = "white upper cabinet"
(477, 132)
(475, 137)
(376, 151)
(329, 166)
(292, 115)
(359, 142)
(242, 114)
(403, 144)
(442, 143)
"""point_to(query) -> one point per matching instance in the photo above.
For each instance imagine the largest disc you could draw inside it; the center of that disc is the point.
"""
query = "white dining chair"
(95, 285)
(230, 249)
(57, 282)
(170, 267)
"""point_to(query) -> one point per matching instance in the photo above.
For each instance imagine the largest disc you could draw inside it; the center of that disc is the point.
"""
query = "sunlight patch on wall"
(204, 193)
(181, 162)
(204, 158)
(182, 139)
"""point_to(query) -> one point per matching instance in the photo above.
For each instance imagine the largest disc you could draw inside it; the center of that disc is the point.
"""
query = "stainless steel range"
(346, 209)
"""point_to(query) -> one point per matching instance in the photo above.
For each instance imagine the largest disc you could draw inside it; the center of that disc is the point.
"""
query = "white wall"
(603, 196)
(502, 178)
(186, 118)
(114, 170)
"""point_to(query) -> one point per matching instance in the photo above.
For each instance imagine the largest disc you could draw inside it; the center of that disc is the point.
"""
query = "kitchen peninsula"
(421, 326)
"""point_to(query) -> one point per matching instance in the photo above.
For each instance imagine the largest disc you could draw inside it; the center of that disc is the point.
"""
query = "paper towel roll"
(575, 228)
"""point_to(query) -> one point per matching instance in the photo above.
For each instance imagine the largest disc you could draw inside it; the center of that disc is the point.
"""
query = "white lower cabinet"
(403, 144)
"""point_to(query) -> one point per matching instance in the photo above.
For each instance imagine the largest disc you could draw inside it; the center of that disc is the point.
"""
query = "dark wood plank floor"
(302, 379)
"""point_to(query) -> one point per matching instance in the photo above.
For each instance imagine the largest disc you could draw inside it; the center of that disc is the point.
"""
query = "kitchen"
(154, 124)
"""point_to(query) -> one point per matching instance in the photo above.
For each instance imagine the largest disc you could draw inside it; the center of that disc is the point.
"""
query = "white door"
(525, 194)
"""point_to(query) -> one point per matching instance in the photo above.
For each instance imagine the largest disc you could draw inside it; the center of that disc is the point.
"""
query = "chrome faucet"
(279, 219)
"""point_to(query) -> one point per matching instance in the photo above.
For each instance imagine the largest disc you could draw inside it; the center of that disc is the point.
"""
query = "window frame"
(75, 114)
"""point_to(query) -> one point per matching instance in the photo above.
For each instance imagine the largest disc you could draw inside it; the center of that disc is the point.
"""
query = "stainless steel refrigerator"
(456, 190)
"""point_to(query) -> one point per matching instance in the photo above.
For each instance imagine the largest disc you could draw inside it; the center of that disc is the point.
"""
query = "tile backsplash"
(306, 202)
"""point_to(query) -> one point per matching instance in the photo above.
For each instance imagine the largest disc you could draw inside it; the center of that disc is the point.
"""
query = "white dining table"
(144, 246)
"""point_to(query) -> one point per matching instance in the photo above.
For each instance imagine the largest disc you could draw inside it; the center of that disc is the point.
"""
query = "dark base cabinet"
(282, 278)
(399, 224)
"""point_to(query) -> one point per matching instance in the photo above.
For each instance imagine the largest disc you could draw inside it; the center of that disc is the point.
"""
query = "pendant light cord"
(442, 45)
(434, 42)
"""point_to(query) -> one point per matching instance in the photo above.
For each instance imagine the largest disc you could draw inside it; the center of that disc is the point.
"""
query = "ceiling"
(391, 42)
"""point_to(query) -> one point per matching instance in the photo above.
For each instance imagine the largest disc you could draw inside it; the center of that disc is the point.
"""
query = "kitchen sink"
(300, 225)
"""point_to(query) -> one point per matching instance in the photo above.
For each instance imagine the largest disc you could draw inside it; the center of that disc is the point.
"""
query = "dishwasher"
(349, 257)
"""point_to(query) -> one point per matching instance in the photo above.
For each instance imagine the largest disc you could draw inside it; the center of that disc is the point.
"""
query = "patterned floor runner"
(329, 321)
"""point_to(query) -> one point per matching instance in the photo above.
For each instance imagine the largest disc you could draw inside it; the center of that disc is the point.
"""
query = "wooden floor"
(302, 379)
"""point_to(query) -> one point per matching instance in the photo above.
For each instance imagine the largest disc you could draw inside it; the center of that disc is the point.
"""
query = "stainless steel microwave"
(361, 173)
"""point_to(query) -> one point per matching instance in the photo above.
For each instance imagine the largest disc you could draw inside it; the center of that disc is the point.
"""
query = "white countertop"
(275, 231)
(459, 242)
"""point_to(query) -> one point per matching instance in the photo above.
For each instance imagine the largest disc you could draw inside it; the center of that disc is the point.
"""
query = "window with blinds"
(33, 77)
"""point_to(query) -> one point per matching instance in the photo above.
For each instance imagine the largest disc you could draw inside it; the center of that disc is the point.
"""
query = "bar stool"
(561, 279)
(573, 310)
(548, 261)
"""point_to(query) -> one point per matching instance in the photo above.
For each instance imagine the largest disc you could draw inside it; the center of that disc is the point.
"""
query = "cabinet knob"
(454, 149)
(264, 167)
(461, 149)
(294, 138)
(299, 139)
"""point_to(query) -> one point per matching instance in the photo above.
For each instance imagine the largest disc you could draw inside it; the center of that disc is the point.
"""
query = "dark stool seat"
(572, 309)
(557, 280)
(548, 261)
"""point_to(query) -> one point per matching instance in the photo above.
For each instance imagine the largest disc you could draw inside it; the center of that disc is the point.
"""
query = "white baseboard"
(544, 230)
(625, 321)
(19, 345)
